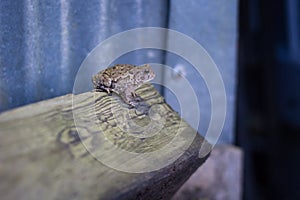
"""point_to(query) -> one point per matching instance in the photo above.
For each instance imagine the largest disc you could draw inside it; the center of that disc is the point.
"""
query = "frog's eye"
(147, 71)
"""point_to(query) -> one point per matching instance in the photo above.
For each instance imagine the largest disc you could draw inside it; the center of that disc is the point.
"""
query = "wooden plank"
(91, 146)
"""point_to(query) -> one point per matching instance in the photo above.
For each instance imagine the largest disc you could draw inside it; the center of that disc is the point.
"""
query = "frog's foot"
(132, 103)
(136, 103)
(108, 91)
(138, 99)
(130, 106)
(98, 90)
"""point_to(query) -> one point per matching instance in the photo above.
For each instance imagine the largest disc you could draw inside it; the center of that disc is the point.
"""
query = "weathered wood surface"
(44, 154)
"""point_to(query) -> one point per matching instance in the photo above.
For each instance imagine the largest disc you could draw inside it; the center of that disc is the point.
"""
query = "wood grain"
(92, 146)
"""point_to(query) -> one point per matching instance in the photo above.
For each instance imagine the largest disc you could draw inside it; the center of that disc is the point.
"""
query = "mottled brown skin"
(123, 79)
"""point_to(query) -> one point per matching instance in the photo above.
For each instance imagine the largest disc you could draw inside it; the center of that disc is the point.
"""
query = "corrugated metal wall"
(213, 24)
(43, 43)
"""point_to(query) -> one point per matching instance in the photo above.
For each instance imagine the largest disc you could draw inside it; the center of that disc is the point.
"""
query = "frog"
(123, 79)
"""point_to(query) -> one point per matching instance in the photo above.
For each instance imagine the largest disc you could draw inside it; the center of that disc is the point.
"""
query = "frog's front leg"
(105, 89)
(136, 97)
(108, 92)
(128, 96)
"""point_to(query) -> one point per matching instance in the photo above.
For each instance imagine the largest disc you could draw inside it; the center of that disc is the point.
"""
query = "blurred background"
(268, 107)
(255, 44)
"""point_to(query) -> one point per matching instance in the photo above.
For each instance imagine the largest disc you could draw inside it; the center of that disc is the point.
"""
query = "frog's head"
(146, 73)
